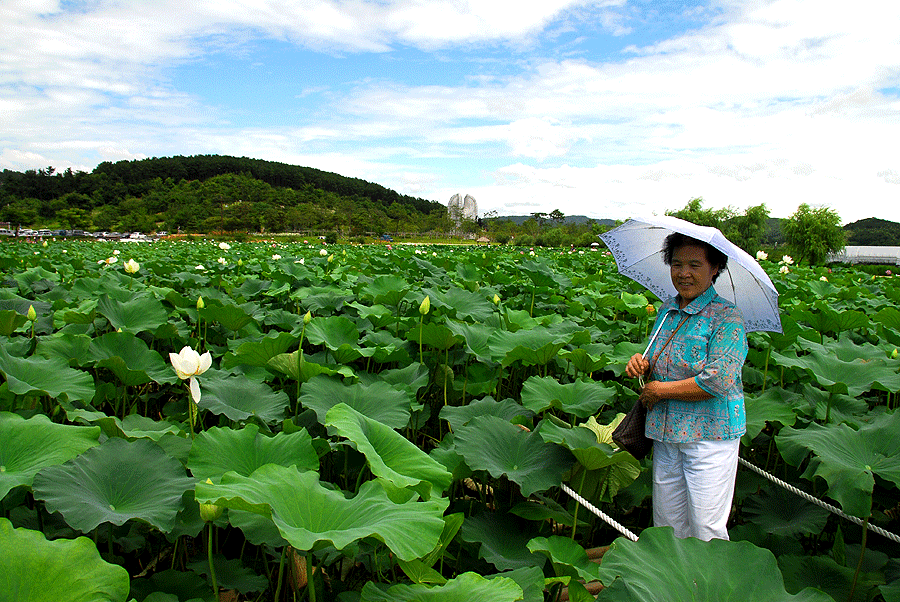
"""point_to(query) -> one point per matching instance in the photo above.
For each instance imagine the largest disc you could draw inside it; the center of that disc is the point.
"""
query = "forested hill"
(207, 193)
(279, 175)
(873, 232)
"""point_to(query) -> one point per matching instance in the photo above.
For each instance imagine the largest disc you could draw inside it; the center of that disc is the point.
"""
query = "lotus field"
(256, 421)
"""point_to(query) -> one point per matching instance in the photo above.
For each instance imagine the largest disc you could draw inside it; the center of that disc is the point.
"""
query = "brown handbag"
(629, 435)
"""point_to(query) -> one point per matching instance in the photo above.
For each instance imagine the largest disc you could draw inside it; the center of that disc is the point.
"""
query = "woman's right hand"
(637, 366)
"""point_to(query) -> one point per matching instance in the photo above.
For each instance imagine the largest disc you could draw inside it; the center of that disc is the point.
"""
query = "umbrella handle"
(652, 338)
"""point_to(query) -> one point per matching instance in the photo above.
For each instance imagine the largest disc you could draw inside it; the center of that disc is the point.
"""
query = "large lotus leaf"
(775, 405)
(115, 482)
(568, 558)
(73, 348)
(468, 587)
(258, 529)
(35, 569)
(219, 450)
(84, 313)
(231, 574)
(504, 540)
(388, 348)
(27, 446)
(10, 321)
(847, 459)
(507, 409)
(587, 358)
(532, 347)
(837, 407)
(823, 573)
(859, 368)
(476, 337)
(431, 334)
(580, 398)
(307, 513)
(386, 290)
(659, 567)
(297, 367)
(333, 332)
(823, 318)
(230, 316)
(502, 448)
(135, 426)
(889, 317)
(130, 359)
(583, 443)
(29, 277)
(143, 313)
(240, 398)
(542, 274)
(51, 376)
(619, 356)
(258, 353)
(781, 512)
(378, 401)
(390, 455)
(410, 378)
(461, 303)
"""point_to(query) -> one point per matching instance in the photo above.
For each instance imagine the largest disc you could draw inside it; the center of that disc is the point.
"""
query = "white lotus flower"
(823, 278)
(188, 364)
(131, 266)
(116, 252)
(276, 257)
(323, 252)
(784, 269)
(787, 260)
(761, 255)
(224, 246)
(221, 260)
(200, 267)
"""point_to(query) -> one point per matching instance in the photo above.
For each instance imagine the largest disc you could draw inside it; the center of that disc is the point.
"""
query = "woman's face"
(691, 273)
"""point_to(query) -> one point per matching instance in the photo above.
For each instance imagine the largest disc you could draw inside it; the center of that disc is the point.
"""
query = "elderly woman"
(695, 398)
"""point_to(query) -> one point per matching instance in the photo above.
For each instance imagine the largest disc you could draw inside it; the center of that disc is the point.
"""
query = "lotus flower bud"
(200, 303)
(131, 266)
(331, 258)
(894, 353)
(425, 306)
(307, 318)
(496, 299)
(210, 512)
(31, 315)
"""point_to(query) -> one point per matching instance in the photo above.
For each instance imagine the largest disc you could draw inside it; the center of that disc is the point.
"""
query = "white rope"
(819, 502)
(607, 518)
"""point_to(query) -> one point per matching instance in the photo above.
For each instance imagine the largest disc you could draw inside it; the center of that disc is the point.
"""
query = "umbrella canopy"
(637, 244)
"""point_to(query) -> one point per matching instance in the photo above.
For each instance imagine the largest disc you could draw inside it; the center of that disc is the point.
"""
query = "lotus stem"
(577, 505)
(862, 553)
(209, 555)
(280, 573)
(766, 369)
(310, 583)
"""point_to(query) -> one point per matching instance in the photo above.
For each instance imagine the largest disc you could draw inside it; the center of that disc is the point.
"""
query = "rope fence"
(630, 535)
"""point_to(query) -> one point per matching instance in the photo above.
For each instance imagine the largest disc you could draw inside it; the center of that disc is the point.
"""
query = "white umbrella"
(637, 244)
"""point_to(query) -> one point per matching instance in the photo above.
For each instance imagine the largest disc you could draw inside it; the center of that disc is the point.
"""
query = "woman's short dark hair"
(676, 240)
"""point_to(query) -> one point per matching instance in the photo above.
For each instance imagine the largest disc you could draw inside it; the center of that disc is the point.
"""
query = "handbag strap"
(661, 349)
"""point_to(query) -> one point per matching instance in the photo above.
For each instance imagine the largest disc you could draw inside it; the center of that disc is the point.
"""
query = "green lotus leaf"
(568, 558)
(502, 448)
(35, 569)
(130, 359)
(824, 318)
(51, 376)
(386, 290)
(240, 398)
(542, 274)
(307, 513)
(889, 317)
(84, 313)
(431, 334)
(171, 586)
(583, 442)
(27, 446)
(823, 573)
(476, 337)
(507, 409)
(531, 347)
(588, 358)
(388, 348)
(143, 313)
(31, 276)
(580, 398)
(333, 332)
(297, 367)
(775, 405)
(258, 529)
(73, 348)
(857, 367)
(115, 482)
(461, 303)
(228, 315)
(464, 588)
(661, 568)
(411, 378)
(319, 298)
(781, 512)
(847, 459)
(837, 407)
(216, 451)
(390, 455)
(135, 426)
(10, 321)
(378, 401)
(504, 540)
(619, 356)
(636, 305)
(258, 353)
(231, 574)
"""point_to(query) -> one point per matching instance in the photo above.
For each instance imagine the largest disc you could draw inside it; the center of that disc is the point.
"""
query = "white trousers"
(693, 486)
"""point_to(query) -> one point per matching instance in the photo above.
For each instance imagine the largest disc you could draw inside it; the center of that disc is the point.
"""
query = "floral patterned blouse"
(711, 346)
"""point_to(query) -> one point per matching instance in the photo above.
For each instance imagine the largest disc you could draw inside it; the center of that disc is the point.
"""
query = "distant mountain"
(569, 219)
(873, 232)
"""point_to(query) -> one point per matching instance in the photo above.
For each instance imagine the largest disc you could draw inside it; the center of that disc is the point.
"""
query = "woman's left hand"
(650, 394)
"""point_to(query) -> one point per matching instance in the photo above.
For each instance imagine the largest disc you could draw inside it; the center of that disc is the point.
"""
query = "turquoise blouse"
(711, 346)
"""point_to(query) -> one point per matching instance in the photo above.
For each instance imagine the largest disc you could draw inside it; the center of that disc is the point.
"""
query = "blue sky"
(608, 109)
